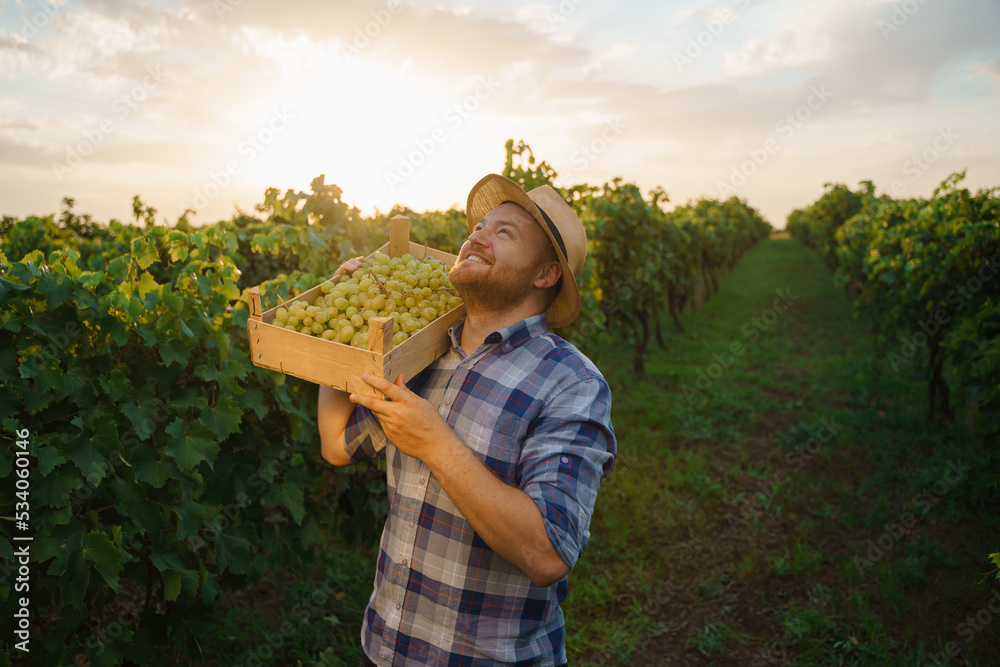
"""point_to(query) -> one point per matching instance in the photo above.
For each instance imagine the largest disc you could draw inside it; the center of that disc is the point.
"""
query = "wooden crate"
(338, 365)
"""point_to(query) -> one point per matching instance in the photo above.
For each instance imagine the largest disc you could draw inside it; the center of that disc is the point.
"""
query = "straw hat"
(559, 221)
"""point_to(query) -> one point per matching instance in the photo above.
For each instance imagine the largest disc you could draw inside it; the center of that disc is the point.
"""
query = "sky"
(204, 104)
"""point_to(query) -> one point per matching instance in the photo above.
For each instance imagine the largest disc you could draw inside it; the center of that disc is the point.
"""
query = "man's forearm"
(505, 517)
(334, 410)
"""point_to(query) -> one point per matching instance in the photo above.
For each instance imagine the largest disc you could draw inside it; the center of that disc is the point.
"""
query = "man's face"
(497, 266)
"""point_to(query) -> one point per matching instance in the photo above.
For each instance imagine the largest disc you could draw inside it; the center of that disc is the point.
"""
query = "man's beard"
(498, 292)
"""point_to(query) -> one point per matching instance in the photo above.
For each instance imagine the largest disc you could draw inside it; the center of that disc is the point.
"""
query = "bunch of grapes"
(411, 291)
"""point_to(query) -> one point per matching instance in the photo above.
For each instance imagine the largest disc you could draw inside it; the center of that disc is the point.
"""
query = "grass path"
(758, 456)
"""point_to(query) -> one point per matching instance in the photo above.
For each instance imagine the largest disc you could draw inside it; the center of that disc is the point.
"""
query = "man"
(495, 452)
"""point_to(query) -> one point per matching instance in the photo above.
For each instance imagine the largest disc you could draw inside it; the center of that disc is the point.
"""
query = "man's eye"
(504, 231)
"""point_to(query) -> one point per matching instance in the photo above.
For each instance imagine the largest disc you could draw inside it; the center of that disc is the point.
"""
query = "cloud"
(989, 70)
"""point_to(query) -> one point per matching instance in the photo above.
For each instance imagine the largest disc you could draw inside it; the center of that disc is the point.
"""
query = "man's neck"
(479, 324)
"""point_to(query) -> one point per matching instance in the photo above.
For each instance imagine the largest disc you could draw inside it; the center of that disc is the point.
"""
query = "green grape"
(411, 291)
(292, 321)
(281, 315)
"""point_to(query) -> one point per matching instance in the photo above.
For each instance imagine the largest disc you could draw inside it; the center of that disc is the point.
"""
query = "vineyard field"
(786, 407)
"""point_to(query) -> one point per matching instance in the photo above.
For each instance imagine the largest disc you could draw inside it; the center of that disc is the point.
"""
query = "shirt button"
(397, 606)
(564, 459)
(404, 562)
(413, 525)
(421, 482)
(506, 347)
(447, 402)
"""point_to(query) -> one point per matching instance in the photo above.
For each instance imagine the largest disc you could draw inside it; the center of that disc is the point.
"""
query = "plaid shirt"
(538, 414)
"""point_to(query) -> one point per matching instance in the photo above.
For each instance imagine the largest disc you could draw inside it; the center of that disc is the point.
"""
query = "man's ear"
(548, 275)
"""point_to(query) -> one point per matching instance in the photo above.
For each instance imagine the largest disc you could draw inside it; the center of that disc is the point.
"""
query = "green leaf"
(150, 470)
(171, 585)
(48, 458)
(145, 415)
(105, 556)
(171, 351)
(190, 516)
(147, 284)
(7, 288)
(223, 419)
(192, 444)
(58, 288)
(174, 302)
(289, 495)
(144, 252)
(116, 384)
(185, 329)
(133, 502)
(233, 553)
(210, 587)
(74, 571)
(90, 453)
(253, 399)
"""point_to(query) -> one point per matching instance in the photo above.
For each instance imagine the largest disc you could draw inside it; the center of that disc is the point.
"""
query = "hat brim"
(493, 190)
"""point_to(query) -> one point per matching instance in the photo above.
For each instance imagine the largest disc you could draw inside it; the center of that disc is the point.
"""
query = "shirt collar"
(507, 338)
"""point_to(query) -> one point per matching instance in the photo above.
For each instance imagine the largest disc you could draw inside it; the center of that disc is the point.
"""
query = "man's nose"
(479, 236)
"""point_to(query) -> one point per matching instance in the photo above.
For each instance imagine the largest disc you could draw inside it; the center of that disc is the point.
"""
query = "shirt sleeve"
(570, 448)
(364, 438)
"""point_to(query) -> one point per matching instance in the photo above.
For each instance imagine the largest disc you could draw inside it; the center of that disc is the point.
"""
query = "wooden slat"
(399, 236)
(254, 294)
(313, 359)
(380, 334)
(415, 354)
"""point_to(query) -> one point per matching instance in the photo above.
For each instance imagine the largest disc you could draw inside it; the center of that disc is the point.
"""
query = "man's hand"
(409, 421)
(350, 266)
